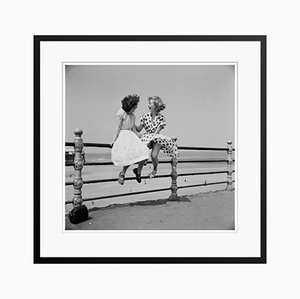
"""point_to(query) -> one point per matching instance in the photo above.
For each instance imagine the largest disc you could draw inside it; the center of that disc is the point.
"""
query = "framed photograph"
(150, 149)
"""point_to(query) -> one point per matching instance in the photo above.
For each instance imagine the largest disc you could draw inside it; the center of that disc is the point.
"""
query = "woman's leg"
(124, 169)
(137, 171)
(154, 155)
(140, 166)
(122, 175)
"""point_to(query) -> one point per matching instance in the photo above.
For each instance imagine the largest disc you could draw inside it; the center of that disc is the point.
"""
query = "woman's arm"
(117, 130)
(139, 127)
(135, 130)
(161, 125)
(159, 128)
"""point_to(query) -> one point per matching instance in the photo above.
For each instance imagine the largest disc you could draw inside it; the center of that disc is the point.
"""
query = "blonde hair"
(159, 104)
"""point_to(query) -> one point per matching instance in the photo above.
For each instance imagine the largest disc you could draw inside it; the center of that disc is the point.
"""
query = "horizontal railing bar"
(146, 177)
(204, 161)
(202, 173)
(111, 163)
(115, 179)
(107, 145)
(199, 185)
(146, 191)
(120, 195)
(202, 148)
(91, 144)
(160, 162)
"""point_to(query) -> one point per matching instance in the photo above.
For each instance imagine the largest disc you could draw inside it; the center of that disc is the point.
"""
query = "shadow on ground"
(205, 211)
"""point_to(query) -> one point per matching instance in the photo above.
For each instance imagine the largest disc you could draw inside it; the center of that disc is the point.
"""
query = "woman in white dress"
(127, 147)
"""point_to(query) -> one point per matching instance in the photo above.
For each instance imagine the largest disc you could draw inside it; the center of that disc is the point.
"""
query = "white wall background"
(20, 20)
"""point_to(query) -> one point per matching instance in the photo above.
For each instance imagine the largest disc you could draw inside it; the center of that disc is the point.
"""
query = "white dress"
(128, 148)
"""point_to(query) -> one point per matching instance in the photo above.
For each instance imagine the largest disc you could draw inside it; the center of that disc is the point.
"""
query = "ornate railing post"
(174, 175)
(78, 164)
(229, 166)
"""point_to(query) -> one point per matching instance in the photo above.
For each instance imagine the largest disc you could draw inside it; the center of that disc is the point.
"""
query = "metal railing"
(79, 163)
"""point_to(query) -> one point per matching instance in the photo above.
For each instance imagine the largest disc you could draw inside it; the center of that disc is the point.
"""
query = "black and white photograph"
(154, 146)
(150, 149)
(150, 145)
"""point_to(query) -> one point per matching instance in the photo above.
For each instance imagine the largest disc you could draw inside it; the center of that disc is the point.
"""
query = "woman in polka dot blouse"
(153, 122)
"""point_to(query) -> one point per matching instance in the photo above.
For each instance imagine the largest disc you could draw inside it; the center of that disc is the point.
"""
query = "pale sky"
(199, 99)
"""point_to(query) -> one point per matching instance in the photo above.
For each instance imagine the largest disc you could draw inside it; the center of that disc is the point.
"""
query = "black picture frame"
(37, 259)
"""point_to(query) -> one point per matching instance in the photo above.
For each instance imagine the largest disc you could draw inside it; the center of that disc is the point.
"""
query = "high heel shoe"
(121, 178)
(137, 176)
(152, 174)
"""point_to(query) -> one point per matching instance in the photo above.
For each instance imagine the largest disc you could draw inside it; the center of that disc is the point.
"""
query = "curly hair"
(158, 103)
(129, 102)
